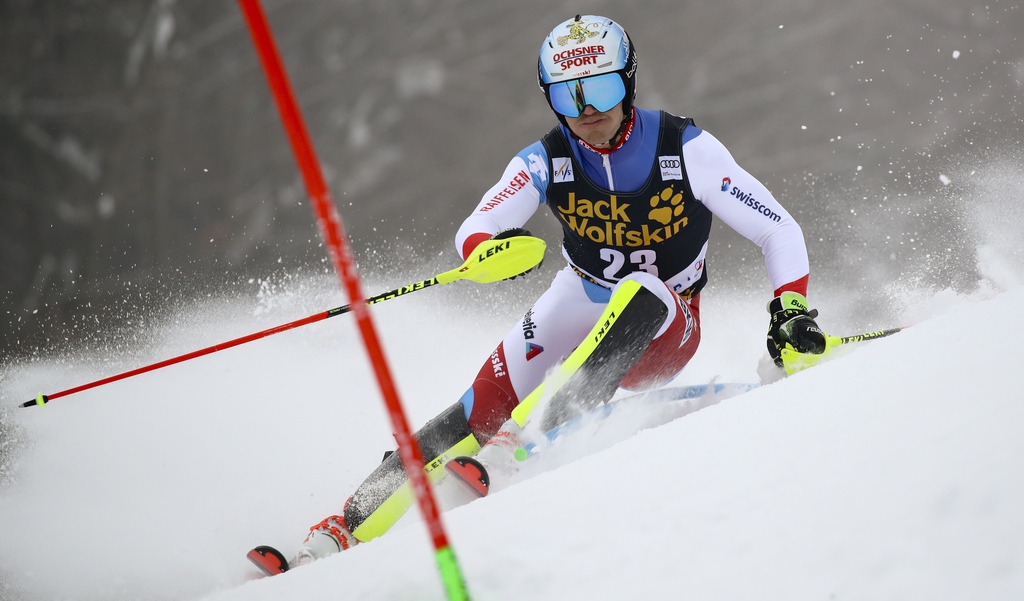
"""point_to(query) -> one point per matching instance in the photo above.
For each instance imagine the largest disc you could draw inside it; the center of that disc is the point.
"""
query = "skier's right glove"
(792, 324)
(512, 232)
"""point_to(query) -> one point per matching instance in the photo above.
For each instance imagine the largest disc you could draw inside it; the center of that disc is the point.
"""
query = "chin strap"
(623, 133)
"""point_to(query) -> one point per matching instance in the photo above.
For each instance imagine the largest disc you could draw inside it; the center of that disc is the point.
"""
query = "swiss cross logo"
(537, 167)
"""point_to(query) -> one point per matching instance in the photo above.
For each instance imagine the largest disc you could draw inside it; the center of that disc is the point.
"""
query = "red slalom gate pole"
(337, 243)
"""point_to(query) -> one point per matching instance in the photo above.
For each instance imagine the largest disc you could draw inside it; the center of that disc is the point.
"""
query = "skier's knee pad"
(384, 497)
(660, 290)
(592, 372)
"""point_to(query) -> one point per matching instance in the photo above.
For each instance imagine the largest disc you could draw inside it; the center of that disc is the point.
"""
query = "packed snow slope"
(893, 471)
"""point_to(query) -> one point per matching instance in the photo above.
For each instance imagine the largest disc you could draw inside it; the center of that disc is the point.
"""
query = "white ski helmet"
(587, 60)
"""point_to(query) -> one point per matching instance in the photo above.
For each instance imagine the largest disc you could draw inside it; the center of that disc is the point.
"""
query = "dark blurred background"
(142, 158)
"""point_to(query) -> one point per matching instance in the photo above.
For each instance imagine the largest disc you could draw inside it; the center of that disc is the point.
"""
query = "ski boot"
(492, 467)
(326, 538)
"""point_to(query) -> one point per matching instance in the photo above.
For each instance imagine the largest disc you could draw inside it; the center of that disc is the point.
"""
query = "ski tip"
(471, 473)
(269, 560)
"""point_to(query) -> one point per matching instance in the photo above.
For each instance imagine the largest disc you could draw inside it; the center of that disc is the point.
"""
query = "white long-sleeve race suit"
(620, 220)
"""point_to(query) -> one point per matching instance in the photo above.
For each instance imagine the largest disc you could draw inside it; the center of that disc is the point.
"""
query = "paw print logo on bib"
(666, 205)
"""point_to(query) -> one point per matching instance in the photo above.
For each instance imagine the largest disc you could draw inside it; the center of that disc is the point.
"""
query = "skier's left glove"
(512, 232)
(793, 324)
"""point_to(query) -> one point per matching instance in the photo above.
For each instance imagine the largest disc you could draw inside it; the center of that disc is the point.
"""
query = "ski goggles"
(602, 92)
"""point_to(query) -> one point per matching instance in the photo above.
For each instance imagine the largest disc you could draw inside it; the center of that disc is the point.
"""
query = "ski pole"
(793, 361)
(869, 336)
(492, 260)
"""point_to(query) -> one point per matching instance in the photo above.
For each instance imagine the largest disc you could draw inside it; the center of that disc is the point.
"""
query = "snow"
(893, 471)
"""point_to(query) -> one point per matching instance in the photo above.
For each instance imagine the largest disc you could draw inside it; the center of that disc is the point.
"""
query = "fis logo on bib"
(671, 168)
(561, 170)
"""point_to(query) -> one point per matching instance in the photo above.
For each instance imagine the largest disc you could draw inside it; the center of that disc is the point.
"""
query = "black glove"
(792, 324)
(512, 232)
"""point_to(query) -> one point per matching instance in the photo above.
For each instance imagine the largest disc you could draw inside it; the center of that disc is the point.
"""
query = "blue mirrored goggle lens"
(602, 92)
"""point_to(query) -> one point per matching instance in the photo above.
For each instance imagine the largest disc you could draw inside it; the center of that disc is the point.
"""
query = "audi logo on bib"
(671, 167)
